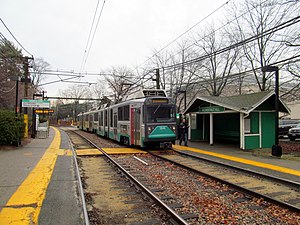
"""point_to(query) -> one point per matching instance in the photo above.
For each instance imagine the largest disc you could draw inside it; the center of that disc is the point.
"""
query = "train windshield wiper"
(156, 109)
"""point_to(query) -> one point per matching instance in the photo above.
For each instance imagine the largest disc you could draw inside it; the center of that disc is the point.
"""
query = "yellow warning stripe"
(241, 160)
(25, 204)
(88, 152)
(123, 151)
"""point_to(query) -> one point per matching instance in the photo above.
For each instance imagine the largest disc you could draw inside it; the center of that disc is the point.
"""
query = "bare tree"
(75, 91)
(39, 66)
(217, 65)
(120, 82)
(176, 77)
(264, 20)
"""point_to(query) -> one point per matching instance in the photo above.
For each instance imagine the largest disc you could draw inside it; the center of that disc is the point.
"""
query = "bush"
(11, 128)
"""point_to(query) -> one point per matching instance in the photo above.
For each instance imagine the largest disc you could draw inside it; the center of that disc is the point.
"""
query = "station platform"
(285, 167)
(38, 184)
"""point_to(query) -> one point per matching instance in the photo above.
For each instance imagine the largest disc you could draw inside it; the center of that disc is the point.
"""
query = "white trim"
(242, 138)
(251, 135)
(190, 129)
(206, 113)
(211, 131)
(260, 130)
(203, 127)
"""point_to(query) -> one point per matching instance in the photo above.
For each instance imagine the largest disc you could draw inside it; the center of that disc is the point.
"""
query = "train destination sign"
(44, 111)
(35, 103)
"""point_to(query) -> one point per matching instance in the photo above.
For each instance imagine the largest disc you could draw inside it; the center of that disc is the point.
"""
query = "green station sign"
(211, 109)
(31, 103)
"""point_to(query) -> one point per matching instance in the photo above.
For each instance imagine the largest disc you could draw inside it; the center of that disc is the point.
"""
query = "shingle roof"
(241, 103)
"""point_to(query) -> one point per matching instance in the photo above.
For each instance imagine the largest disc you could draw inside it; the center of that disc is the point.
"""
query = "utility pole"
(157, 79)
(26, 75)
(276, 148)
(26, 94)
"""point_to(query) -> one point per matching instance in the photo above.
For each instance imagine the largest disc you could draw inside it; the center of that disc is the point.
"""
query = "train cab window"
(160, 113)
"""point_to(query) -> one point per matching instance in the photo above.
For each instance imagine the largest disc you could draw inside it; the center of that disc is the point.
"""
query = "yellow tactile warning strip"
(241, 160)
(25, 204)
(112, 151)
(88, 152)
(66, 152)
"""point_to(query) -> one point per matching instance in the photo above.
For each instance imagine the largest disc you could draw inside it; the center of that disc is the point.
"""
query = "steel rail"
(84, 209)
(174, 216)
(238, 187)
(270, 177)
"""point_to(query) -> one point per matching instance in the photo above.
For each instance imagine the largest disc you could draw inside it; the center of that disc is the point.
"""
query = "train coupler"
(166, 145)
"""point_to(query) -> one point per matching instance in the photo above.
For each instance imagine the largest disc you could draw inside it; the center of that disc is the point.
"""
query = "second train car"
(146, 122)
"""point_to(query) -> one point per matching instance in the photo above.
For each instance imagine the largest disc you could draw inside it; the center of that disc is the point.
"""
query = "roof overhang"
(266, 96)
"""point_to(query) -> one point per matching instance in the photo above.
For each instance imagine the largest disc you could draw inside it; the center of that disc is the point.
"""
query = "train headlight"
(173, 128)
(149, 129)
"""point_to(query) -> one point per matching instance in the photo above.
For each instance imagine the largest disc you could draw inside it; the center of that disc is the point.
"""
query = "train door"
(135, 126)
(115, 125)
(91, 121)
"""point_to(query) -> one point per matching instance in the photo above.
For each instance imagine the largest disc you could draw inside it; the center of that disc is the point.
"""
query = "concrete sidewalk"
(37, 183)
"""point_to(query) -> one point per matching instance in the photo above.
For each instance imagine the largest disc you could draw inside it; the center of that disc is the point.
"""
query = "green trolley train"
(148, 121)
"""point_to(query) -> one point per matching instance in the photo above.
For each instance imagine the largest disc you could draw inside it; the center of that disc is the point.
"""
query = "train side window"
(96, 117)
(111, 117)
(126, 113)
(120, 113)
(115, 119)
(101, 119)
(105, 118)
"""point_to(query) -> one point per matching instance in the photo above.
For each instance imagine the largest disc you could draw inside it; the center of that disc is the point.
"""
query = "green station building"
(247, 120)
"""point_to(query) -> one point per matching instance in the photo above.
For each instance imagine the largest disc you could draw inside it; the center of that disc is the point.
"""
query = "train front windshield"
(160, 113)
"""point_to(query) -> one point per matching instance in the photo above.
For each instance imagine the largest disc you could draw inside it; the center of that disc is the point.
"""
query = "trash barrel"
(276, 150)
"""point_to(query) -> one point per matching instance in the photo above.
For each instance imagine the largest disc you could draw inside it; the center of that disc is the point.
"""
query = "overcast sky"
(127, 34)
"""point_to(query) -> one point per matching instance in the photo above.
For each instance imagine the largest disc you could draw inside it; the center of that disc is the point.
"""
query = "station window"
(193, 121)
(247, 125)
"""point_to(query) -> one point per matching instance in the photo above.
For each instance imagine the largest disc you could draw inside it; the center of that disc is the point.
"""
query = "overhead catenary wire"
(88, 40)
(87, 50)
(245, 41)
(185, 32)
(15, 38)
(248, 11)
(174, 66)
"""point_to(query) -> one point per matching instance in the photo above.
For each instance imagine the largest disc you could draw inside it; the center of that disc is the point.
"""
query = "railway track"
(116, 196)
(273, 189)
(197, 199)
